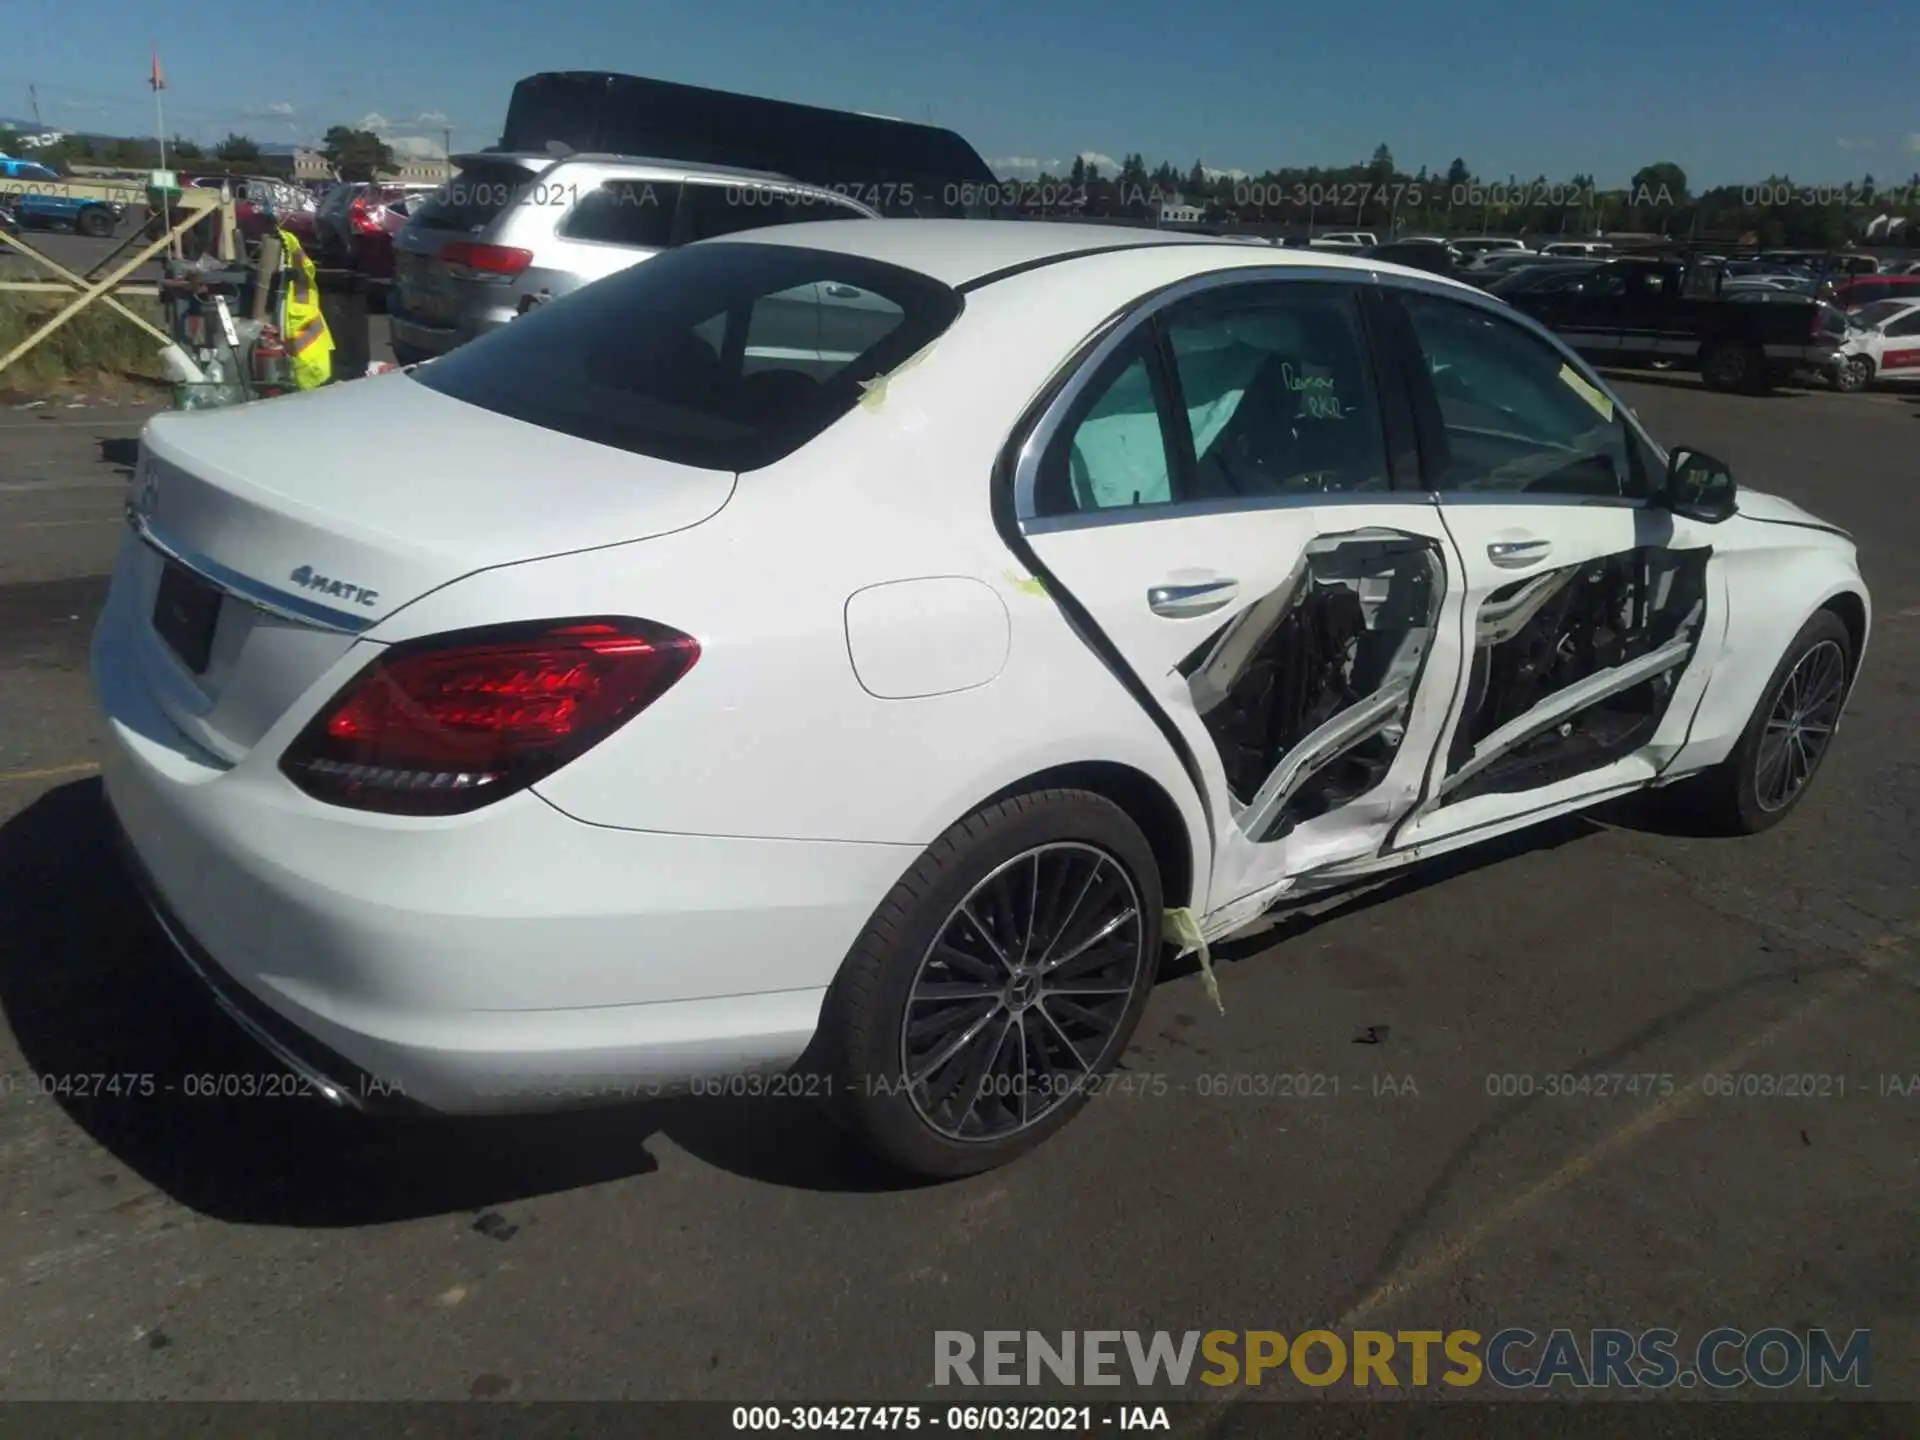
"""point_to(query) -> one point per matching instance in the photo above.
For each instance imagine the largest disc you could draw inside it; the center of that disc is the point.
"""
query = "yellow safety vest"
(302, 326)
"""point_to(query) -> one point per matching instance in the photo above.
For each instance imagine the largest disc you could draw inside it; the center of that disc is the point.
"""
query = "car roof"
(542, 158)
(964, 253)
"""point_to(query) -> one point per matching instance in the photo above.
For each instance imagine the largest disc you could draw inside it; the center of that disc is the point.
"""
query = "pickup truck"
(36, 196)
(1635, 311)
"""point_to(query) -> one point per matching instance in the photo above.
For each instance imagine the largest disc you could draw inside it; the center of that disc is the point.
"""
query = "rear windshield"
(722, 356)
(471, 199)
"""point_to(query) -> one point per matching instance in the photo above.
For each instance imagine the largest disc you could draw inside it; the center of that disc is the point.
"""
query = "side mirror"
(1699, 487)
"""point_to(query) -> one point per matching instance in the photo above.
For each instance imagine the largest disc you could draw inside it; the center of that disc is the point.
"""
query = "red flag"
(158, 81)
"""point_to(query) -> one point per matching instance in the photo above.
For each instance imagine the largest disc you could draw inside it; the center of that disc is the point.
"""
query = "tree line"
(353, 154)
(1377, 196)
(1381, 197)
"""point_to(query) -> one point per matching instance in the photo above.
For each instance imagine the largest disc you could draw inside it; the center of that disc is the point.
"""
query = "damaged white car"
(1882, 345)
(841, 660)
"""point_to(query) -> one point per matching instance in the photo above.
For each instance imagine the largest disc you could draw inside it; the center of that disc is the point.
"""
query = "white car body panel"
(876, 663)
(1778, 566)
(1895, 355)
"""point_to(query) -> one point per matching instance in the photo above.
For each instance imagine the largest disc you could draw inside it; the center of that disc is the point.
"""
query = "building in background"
(312, 165)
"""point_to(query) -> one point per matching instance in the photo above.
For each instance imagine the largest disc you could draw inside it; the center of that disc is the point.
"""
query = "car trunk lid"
(289, 534)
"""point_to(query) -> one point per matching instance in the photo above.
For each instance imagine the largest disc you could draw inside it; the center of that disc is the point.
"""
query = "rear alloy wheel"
(996, 985)
(96, 222)
(1769, 771)
(1854, 373)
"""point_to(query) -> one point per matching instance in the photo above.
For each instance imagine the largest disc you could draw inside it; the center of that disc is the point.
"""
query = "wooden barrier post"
(266, 266)
(99, 288)
(79, 283)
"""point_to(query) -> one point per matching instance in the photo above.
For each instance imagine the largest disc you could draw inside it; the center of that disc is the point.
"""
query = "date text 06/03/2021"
(958, 1419)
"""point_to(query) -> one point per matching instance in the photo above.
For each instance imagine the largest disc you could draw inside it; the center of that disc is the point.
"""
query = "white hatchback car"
(1882, 345)
(716, 695)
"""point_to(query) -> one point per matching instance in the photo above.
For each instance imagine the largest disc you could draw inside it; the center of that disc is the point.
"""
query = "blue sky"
(1731, 89)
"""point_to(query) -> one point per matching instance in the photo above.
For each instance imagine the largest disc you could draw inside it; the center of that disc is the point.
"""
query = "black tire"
(1730, 366)
(406, 354)
(1737, 796)
(1036, 845)
(96, 222)
(1853, 374)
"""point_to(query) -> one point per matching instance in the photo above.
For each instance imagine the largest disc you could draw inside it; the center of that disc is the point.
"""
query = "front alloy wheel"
(1022, 994)
(1786, 739)
(1800, 725)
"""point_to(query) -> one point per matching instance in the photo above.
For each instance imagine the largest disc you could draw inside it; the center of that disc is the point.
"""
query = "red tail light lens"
(470, 261)
(451, 723)
(361, 219)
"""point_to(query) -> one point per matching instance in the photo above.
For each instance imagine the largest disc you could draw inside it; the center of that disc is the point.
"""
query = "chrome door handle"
(841, 292)
(1518, 554)
(1179, 601)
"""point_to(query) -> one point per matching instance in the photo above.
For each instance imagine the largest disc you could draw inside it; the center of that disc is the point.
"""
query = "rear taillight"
(453, 722)
(495, 263)
(361, 220)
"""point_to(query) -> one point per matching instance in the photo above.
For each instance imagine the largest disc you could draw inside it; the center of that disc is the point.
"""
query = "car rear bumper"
(513, 959)
(438, 339)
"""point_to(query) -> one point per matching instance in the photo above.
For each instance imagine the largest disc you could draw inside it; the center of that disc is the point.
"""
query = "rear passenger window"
(1278, 396)
(1271, 395)
(1117, 456)
(624, 212)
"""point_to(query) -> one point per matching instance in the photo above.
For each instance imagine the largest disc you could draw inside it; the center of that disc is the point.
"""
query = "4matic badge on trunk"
(310, 579)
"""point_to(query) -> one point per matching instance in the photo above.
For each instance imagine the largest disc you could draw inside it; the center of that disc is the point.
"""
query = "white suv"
(512, 230)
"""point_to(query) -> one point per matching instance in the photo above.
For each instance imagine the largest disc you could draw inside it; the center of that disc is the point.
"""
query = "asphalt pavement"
(166, 1245)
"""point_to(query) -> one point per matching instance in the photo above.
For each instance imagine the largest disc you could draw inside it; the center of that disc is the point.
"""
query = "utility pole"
(33, 95)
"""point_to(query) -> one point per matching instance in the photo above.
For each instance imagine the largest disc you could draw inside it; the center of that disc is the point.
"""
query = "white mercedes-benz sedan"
(840, 660)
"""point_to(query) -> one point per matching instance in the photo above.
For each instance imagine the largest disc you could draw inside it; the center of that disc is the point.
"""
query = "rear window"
(721, 356)
(473, 198)
(625, 212)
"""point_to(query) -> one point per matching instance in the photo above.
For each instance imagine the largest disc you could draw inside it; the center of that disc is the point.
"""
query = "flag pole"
(160, 135)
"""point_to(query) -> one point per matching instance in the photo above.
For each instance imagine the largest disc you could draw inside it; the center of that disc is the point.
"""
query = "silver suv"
(512, 230)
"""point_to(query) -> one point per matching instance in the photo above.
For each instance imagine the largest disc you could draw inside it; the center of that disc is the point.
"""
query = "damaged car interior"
(1574, 668)
(1306, 692)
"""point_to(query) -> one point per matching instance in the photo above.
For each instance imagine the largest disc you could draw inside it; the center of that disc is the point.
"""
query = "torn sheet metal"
(1306, 691)
(1574, 669)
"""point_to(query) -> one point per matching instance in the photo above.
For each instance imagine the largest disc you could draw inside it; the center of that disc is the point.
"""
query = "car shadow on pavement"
(120, 450)
(119, 1033)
